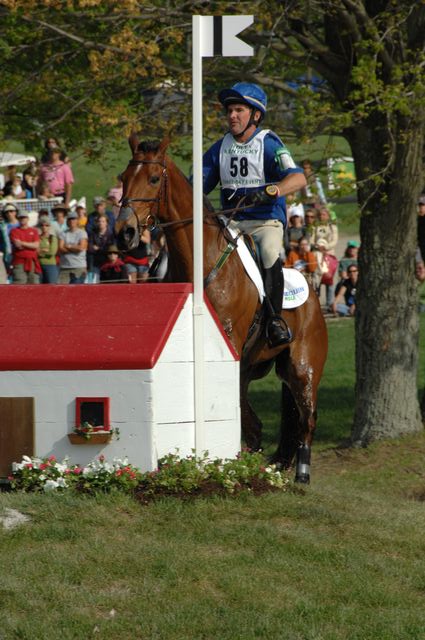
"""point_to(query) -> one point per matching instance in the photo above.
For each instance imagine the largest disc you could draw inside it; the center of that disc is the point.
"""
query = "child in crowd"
(113, 270)
(302, 259)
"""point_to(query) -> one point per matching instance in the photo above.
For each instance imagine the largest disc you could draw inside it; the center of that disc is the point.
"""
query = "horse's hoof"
(303, 478)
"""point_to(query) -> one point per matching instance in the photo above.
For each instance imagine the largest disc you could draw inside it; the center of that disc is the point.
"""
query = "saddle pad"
(296, 289)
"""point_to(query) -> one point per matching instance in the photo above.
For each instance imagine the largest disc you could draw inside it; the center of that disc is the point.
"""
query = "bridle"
(151, 220)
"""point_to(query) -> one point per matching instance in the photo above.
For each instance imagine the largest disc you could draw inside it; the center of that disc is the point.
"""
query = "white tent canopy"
(7, 159)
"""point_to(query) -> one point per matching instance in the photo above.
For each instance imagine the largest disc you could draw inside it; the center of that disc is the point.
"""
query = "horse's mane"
(152, 146)
(148, 145)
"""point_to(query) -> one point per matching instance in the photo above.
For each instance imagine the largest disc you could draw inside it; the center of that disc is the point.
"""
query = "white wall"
(152, 408)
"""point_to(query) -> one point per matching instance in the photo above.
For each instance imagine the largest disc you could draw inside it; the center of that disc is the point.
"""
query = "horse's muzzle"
(128, 238)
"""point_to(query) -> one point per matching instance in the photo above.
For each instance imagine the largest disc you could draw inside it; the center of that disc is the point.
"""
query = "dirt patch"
(13, 518)
(207, 489)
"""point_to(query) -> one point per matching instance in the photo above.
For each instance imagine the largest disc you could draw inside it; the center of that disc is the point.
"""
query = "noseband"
(151, 221)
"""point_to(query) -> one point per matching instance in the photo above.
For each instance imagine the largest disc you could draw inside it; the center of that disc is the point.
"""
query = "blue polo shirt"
(274, 171)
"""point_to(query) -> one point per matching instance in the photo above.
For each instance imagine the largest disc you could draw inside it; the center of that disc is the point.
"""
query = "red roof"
(59, 327)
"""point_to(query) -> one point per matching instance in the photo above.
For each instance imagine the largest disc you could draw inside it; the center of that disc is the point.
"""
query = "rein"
(229, 213)
(151, 221)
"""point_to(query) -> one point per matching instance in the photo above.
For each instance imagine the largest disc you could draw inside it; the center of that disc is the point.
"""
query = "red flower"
(102, 458)
(77, 471)
(52, 459)
(43, 466)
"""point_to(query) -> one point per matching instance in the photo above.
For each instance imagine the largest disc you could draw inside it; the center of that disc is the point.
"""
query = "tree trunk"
(387, 327)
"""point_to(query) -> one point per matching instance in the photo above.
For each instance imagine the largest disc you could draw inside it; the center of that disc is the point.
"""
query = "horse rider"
(255, 168)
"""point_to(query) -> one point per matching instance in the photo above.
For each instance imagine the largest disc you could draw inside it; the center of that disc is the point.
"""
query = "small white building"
(117, 356)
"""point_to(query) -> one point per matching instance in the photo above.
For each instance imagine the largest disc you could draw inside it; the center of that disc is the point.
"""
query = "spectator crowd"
(70, 245)
(66, 244)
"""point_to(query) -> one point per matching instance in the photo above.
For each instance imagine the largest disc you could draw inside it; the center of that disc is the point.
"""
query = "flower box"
(96, 437)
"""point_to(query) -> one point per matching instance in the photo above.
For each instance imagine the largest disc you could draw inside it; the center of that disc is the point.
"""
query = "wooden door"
(16, 431)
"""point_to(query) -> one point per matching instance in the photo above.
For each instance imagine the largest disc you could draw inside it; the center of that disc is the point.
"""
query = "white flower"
(50, 485)
(61, 483)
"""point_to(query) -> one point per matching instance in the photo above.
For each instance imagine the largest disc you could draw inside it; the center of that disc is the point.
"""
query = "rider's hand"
(264, 195)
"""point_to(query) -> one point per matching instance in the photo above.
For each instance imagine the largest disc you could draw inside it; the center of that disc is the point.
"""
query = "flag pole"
(198, 243)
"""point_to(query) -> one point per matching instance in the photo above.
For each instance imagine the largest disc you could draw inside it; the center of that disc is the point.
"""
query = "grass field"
(342, 560)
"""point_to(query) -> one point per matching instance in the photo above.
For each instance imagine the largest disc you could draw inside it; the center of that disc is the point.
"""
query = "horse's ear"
(133, 141)
(163, 146)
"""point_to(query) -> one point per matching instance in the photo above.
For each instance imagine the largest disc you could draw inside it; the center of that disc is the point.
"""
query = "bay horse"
(155, 191)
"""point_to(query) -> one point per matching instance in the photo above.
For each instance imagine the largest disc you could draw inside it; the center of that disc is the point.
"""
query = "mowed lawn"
(340, 560)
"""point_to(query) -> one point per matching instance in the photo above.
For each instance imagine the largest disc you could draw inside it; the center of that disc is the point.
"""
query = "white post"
(198, 243)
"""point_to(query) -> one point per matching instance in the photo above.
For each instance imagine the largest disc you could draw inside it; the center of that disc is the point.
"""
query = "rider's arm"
(211, 167)
(280, 168)
(291, 183)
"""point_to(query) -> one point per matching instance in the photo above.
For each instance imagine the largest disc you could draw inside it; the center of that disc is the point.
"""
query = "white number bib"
(242, 165)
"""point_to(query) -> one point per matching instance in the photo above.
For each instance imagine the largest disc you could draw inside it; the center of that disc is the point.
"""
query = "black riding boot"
(277, 331)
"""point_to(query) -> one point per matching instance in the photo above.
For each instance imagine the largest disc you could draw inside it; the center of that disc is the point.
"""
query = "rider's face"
(237, 118)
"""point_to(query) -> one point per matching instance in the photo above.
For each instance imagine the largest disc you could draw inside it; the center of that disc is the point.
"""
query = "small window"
(95, 411)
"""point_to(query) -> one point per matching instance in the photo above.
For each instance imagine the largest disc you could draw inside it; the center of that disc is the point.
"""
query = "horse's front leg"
(252, 427)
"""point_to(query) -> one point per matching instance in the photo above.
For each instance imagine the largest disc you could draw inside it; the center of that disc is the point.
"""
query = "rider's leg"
(268, 236)
(277, 330)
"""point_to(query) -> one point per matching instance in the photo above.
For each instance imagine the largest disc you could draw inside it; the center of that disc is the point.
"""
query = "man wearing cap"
(25, 243)
(349, 258)
(10, 215)
(58, 175)
(72, 251)
(255, 168)
(99, 204)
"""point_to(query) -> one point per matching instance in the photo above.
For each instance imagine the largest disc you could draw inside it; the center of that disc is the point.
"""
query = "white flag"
(219, 36)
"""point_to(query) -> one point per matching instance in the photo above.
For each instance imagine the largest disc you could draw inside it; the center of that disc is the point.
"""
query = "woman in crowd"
(137, 260)
(327, 265)
(29, 182)
(47, 252)
(100, 237)
(325, 229)
(53, 143)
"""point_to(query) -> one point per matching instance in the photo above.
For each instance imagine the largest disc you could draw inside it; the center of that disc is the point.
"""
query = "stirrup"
(277, 332)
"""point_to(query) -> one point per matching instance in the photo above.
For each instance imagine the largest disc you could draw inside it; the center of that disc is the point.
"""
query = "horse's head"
(144, 191)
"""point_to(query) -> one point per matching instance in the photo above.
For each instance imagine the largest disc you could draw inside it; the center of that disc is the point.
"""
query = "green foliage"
(175, 476)
(179, 476)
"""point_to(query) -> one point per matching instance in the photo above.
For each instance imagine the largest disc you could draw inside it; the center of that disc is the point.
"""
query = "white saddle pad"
(296, 289)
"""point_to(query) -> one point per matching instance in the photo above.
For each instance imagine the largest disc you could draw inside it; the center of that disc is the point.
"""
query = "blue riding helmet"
(246, 93)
